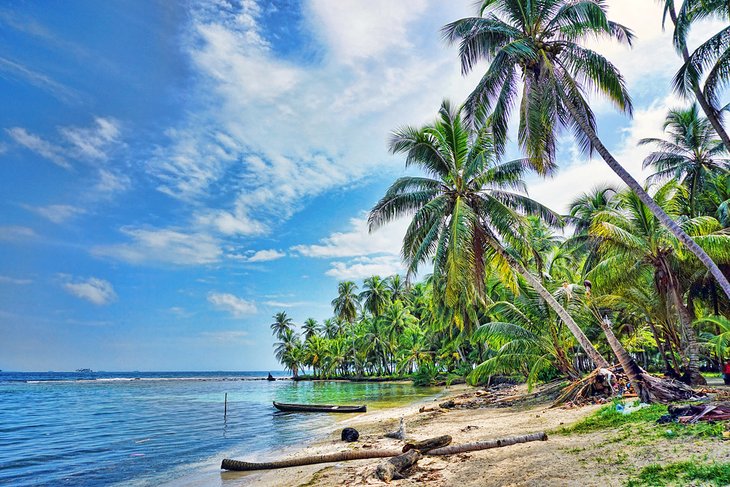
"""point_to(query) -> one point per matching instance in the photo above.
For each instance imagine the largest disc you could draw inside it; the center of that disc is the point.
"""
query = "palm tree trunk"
(645, 198)
(710, 112)
(649, 388)
(583, 340)
(694, 377)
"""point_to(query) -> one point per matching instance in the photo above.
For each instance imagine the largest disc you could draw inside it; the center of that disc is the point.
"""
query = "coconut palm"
(398, 288)
(346, 303)
(691, 83)
(310, 327)
(537, 44)
(633, 241)
(462, 209)
(329, 328)
(288, 351)
(375, 295)
(281, 324)
(691, 153)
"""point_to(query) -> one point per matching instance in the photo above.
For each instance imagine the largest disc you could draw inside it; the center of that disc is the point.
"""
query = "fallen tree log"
(426, 445)
(396, 467)
(344, 456)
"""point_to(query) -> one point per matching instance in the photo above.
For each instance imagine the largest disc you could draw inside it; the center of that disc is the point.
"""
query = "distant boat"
(319, 408)
(270, 377)
(84, 371)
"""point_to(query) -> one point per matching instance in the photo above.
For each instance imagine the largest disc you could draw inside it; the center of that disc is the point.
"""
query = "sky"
(174, 173)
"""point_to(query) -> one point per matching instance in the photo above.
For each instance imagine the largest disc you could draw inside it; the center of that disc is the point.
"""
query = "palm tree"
(462, 209)
(537, 43)
(688, 76)
(289, 351)
(346, 303)
(375, 295)
(634, 241)
(398, 288)
(689, 154)
(310, 328)
(329, 328)
(711, 59)
(281, 324)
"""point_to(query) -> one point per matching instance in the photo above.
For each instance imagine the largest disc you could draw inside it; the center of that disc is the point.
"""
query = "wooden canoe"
(319, 408)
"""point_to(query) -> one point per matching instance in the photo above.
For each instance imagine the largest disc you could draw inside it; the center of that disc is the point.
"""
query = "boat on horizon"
(319, 408)
(84, 371)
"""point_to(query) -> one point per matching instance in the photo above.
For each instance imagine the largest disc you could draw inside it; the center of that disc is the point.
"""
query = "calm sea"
(143, 428)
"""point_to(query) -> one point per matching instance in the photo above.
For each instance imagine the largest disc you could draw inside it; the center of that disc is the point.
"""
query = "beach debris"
(469, 428)
(400, 433)
(343, 456)
(425, 446)
(350, 435)
(628, 409)
(692, 413)
(397, 467)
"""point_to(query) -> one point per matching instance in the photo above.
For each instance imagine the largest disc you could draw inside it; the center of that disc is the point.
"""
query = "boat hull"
(319, 408)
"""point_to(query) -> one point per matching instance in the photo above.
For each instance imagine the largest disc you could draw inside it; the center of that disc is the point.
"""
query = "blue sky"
(172, 174)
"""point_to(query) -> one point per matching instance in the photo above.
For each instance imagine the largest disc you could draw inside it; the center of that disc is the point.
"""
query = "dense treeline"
(636, 274)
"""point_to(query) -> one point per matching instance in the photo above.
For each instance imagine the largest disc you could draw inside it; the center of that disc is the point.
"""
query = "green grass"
(682, 473)
(714, 375)
(640, 426)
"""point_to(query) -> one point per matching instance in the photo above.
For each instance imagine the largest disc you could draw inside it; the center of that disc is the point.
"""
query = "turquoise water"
(151, 428)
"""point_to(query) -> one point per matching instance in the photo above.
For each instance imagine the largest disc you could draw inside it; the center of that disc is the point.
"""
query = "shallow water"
(149, 428)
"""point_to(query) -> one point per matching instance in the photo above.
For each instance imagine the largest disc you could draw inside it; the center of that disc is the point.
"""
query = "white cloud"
(265, 255)
(289, 304)
(92, 289)
(38, 80)
(38, 145)
(362, 267)
(227, 337)
(15, 232)
(165, 246)
(358, 241)
(16, 281)
(110, 182)
(56, 213)
(92, 142)
(232, 304)
(272, 133)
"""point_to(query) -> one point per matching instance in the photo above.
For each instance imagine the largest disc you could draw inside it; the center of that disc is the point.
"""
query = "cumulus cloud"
(265, 256)
(234, 305)
(163, 245)
(362, 267)
(92, 289)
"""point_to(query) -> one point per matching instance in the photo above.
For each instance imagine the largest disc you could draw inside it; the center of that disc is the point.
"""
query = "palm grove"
(636, 273)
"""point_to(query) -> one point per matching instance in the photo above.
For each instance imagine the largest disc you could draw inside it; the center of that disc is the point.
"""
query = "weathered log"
(396, 467)
(430, 444)
(485, 445)
(228, 464)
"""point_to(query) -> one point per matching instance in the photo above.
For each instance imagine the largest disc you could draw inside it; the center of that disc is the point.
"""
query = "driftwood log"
(400, 433)
(426, 445)
(238, 465)
(396, 467)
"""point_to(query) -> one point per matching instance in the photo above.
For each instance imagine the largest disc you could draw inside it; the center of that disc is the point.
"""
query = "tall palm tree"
(633, 241)
(690, 154)
(375, 295)
(288, 351)
(537, 43)
(330, 328)
(310, 327)
(681, 27)
(398, 288)
(711, 59)
(462, 209)
(281, 324)
(346, 303)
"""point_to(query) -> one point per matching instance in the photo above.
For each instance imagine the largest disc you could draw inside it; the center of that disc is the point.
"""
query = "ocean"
(153, 428)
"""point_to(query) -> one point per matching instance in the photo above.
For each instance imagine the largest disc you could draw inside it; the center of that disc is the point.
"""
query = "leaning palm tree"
(710, 60)
(282, 323)
(537, 44)
(690, 154)
(463, 210)
(346, 303)
(633, 241)
(688, 76)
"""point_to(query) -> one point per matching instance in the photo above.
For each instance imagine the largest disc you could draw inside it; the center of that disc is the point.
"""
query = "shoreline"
(602, 457)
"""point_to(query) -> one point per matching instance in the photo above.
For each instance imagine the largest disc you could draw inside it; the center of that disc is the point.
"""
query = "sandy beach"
(593, 459)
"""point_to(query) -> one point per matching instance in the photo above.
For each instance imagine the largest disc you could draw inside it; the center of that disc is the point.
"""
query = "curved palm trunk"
(646, 199)
(710, 112)
(583, 340)
(649, 388)
(690, 337)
